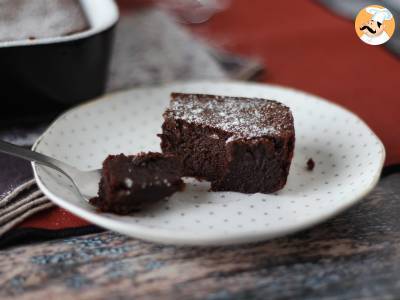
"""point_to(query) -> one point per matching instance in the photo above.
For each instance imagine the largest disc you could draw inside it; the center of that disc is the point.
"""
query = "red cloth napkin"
(305, 47)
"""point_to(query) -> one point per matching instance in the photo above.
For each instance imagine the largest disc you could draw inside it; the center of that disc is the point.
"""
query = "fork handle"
(30, 155)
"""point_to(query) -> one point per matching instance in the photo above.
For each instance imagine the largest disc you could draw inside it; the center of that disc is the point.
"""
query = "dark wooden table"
(354, 256)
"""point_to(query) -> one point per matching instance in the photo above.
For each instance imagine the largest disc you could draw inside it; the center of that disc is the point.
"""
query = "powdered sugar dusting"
(128, 182)
(242, 117)
(27, 19)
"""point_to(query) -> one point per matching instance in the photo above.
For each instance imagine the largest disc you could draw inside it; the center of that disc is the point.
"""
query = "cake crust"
(239, 117)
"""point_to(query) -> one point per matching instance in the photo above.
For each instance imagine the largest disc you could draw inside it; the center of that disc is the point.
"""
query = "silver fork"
(85, 182)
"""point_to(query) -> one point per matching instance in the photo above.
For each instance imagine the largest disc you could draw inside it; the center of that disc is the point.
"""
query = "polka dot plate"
(348, 160)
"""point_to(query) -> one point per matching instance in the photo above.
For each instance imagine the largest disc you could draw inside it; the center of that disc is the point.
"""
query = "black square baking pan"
(54, 52)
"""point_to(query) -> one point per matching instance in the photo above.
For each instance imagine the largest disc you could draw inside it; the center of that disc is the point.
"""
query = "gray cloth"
(151, 49)
(350, 8)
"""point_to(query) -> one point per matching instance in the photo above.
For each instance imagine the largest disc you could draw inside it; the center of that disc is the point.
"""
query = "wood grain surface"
(354, 256)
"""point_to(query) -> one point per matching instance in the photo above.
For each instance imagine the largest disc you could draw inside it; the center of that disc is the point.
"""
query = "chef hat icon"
(379, 14)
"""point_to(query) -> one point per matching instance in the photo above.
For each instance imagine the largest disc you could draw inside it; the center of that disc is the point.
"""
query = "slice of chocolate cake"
(239, 144)
(130, 183)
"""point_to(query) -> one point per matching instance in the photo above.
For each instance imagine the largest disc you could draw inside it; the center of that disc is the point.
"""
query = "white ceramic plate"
(348, 157)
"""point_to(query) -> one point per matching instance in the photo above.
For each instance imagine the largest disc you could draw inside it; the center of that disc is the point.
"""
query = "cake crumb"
(310, 164)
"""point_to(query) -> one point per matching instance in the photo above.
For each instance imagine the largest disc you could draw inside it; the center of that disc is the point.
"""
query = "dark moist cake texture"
(131, 183)
(34, 19)
(239, 144)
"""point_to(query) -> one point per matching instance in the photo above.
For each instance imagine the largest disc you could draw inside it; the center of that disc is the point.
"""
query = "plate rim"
(161, 235)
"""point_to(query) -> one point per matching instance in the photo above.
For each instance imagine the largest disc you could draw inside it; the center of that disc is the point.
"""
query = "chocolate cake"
(239, 144)
(34, 19)
(131, 183)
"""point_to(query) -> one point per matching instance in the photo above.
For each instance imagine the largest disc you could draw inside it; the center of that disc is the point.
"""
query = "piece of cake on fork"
(130, 183)
(239, 144)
